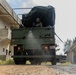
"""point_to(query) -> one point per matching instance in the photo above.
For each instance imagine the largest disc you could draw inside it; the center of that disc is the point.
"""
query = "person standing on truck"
(37, 23)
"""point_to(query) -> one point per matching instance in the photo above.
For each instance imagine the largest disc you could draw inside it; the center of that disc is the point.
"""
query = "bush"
(7, 62)
(67, 63)
(1, 62)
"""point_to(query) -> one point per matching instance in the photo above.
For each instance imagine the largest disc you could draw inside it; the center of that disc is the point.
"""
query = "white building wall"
(9, 33)
(4, 29)
(70, 56)
(8, 16)
(4, 26)
(1, 50)
(74, 56)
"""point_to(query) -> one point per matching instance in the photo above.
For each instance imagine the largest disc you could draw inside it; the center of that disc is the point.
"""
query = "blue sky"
(65, 25)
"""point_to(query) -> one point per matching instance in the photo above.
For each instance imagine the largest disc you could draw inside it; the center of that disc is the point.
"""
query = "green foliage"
(67, 63)
(68, 44)
(1, 62)
(7, 62)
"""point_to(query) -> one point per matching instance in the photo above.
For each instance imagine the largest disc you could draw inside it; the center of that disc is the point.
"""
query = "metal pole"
(59, 38)
(21, 8)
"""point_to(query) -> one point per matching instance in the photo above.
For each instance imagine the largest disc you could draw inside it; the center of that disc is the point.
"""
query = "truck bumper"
(35, 56)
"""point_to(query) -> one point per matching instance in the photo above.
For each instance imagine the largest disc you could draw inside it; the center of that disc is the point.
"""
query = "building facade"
(71, 52)
(8, 20)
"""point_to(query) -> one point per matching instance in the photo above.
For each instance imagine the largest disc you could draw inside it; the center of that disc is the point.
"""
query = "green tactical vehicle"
(36, 44)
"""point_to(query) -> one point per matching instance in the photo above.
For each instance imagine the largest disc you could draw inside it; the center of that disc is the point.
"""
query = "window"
(6, 52)
(5, 27)
(3, 49)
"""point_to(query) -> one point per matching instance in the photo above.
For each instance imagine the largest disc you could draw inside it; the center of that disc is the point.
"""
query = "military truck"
(36, 44)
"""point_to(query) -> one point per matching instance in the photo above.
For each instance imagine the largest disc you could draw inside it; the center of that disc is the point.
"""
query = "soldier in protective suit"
(38, 23)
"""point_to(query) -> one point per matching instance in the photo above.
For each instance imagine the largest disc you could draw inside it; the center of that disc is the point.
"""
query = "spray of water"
(32, 41)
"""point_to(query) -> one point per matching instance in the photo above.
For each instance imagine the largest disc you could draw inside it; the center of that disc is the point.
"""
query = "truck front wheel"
(53, 62)
(33, 62)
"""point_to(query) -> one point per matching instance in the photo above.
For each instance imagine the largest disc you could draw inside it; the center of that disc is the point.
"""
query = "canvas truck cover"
(45, 14)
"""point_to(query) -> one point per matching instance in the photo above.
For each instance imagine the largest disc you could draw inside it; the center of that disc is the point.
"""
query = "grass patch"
(7, 62)
(28, 62)
(66, 63)
(46, 63)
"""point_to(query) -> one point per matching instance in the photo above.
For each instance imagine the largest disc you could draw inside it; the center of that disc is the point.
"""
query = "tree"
(67, 45)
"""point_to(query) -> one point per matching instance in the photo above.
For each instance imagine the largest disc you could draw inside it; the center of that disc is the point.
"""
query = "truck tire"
(38, 63)
(33, 62)
(53, 62)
